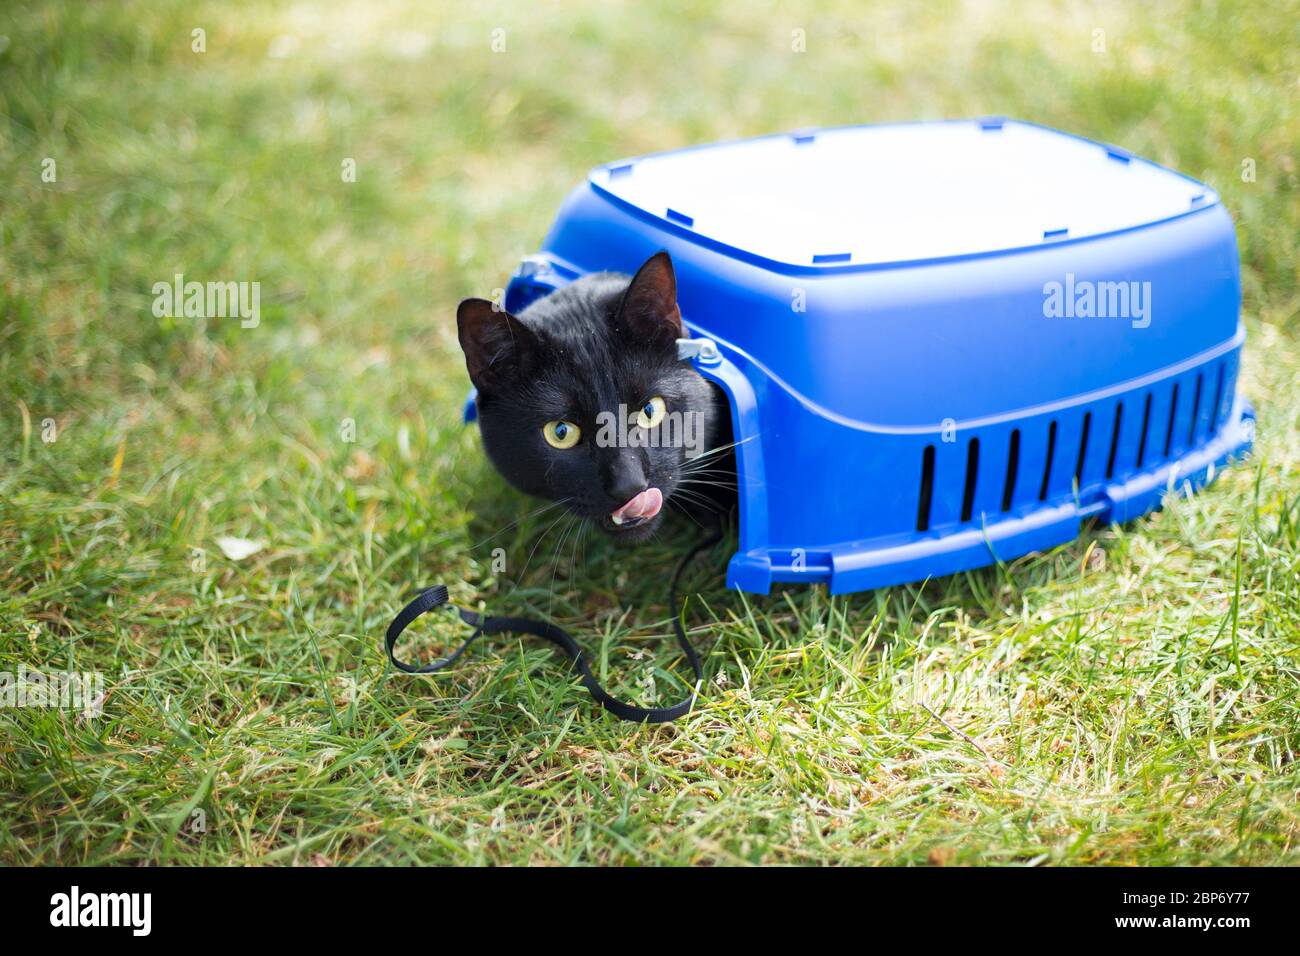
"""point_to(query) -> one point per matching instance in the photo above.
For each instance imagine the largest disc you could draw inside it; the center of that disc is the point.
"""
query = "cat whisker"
(523, 574)
(687, 492)
(722, 471)
(697, 499)
(720, 449)
(531, 514)
(686, 511)
(708, 471)
(724, 477)
(559, 551)
(718, 496)
(694, 472)
(583, 527)
(707, 483)
(704, 472)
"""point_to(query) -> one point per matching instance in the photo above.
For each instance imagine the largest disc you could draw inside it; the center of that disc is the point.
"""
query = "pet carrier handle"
(437, 597)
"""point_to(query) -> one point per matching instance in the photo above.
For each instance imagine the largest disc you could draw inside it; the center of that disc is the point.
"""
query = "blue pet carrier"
(945, 344)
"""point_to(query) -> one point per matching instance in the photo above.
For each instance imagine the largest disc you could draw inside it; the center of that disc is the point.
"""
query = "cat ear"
(648, 312)
(496, 344)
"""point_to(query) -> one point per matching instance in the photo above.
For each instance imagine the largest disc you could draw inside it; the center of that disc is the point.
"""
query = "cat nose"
(625, 479)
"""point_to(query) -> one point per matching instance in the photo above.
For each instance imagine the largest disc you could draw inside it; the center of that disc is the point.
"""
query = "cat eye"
(561, 434)
(652, 413)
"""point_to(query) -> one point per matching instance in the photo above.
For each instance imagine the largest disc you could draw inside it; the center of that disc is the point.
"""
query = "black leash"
(437, 597)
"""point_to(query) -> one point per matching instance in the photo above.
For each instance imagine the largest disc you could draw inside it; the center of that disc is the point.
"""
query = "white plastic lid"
(869, 195)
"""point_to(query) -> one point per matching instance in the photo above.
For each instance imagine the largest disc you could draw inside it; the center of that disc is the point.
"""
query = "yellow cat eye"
(561, 434)
(652, 413)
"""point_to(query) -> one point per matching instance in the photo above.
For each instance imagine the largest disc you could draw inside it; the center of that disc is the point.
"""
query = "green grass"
(1129, 698)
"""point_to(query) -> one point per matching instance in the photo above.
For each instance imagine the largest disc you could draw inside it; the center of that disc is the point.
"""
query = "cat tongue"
(644, 505)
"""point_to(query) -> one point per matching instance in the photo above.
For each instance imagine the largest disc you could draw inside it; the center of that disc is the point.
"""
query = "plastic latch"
(1246, 428)
(1094, 509)
(1097, 505)
(705, 351)
(531, 266)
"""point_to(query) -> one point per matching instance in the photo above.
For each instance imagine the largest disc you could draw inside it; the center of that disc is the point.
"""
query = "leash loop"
(438, 597)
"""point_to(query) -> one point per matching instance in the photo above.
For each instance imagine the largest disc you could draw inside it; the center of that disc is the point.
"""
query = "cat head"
(583, 399)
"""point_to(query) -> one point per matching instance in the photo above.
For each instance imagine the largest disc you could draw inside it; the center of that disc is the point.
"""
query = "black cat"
(582, 399)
